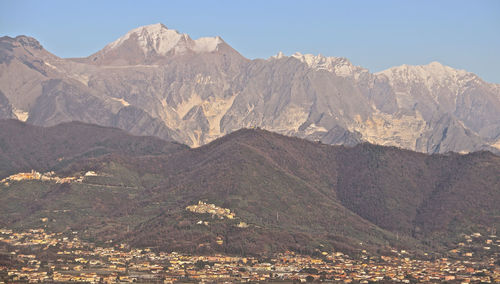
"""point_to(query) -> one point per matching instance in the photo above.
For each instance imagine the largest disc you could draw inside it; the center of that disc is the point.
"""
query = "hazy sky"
(373, 34)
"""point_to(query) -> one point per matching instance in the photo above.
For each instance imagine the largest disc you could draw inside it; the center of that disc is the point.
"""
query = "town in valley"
(36, 255)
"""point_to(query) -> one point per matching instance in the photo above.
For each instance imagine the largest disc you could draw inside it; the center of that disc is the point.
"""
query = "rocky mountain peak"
(278, 56)
(338, 65)
(207, 44)
(29, 42)
(431, 74)
(148, 44)
(158, 39)
(22, 40)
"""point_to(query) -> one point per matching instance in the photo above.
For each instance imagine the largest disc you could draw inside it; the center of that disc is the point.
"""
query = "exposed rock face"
(153, 44)
(156, 81)
(6, 110)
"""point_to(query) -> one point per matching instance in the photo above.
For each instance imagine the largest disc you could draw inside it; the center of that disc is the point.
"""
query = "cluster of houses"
(476, 246)
(48, 176)
(212, 209)
(27, 258)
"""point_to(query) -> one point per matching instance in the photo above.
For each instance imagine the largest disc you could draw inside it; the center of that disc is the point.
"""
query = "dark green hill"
(24, 147)
(292, 194)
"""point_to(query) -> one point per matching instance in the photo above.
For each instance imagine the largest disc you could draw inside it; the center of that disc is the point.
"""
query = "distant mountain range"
(156, 81)
(286, 193)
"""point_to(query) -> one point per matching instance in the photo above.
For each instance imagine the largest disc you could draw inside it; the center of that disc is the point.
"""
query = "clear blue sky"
(372, 34)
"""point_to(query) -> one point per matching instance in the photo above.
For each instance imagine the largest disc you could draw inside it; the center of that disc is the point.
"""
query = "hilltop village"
(48, 176)
(212, 209)
(215, 212)
(39, 256)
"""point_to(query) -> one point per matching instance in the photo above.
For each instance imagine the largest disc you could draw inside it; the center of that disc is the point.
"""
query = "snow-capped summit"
(432, 74)
(207, 44)
(338, 65)
(160, 39)
(156, 37)
(147, 43)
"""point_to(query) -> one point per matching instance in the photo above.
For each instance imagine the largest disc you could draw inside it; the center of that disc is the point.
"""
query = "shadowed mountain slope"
(288, 193)
(24, 147)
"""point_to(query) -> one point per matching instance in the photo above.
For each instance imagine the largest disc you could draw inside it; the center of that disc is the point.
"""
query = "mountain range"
(157, 81)
(286, 193)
